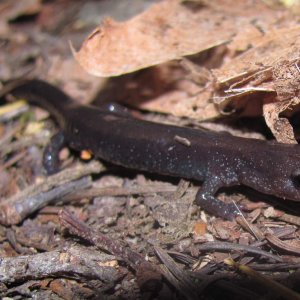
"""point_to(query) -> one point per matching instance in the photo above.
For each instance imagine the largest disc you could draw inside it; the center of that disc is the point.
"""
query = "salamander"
(215, 159)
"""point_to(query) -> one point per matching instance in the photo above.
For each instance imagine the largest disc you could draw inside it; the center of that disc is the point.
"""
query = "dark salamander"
(216, 159)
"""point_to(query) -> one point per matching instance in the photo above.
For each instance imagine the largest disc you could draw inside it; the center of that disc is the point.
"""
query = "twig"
(254, 230)
(276, 267)
(292, 219)
(12, 110)
(148, 276)
(14, 213)
(192, 286)
(224, 246)
(61, 178)
(18, 207)
(285, 246)
(283, 233)
(22, 143)
(11, 237)
(275, 287)
(13, 160)
(122, 191)
(180, 279)
(73, 262)
(5, 140)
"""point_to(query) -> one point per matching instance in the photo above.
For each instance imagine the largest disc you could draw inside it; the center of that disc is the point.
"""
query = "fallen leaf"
(264, 80)
(280, 126)
(173, 29)
(164, 32)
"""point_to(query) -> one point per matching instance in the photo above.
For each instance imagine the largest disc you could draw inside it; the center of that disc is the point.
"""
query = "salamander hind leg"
(206, 200)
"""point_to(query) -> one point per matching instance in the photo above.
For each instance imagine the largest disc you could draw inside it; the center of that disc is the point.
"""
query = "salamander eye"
(295, 176)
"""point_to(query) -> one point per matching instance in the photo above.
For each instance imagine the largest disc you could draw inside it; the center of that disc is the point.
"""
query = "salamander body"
(216, 159)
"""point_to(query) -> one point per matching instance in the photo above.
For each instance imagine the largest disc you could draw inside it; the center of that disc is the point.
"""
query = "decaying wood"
(76, 262)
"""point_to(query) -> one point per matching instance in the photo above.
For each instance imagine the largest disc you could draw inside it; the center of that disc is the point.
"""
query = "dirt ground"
(98, 231)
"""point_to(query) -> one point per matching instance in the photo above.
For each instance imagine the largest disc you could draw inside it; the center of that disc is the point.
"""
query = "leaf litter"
(201, 60)
(256, 48)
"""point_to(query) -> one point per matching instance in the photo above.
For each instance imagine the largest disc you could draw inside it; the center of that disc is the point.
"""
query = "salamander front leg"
(206, 200)
(51, 153)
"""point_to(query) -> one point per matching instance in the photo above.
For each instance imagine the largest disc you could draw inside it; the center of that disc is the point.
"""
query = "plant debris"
(96, 231)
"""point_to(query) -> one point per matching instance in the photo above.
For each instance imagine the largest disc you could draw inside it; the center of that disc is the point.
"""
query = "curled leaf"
(166, 31)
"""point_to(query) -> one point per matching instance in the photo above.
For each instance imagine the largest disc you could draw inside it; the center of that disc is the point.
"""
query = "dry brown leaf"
(166, 88)
(164, 32)
(188, 97)
(273, 46)
(265, 77)
(170, 30)
(180, 104)
(280, 127)
(286, 79)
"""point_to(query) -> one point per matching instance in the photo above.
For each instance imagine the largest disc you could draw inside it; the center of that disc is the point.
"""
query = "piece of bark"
(72, 262)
